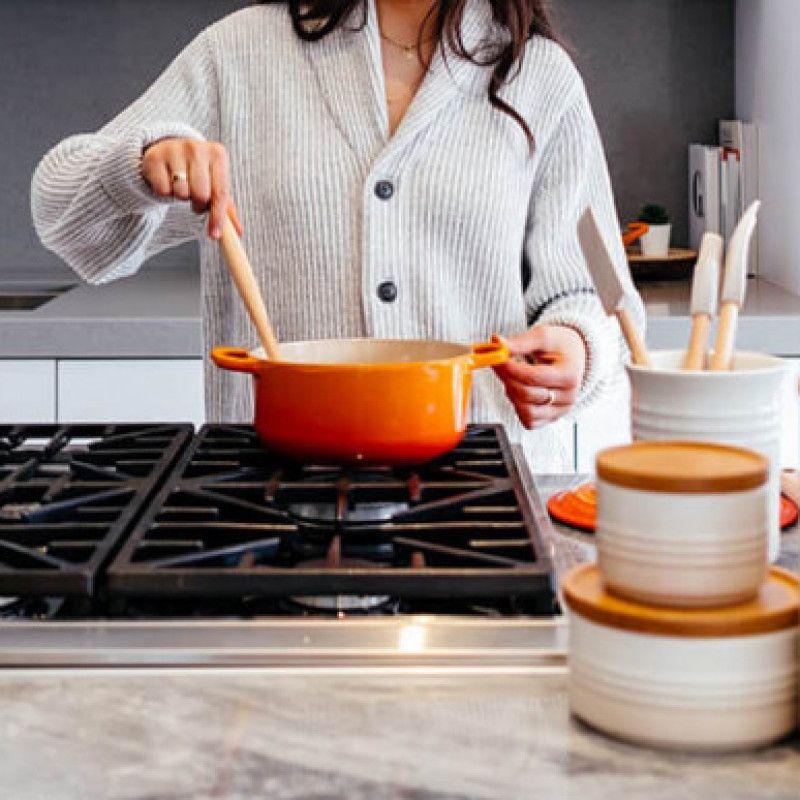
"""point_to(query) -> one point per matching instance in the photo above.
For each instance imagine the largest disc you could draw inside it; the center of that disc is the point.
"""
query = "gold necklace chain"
(409, 50)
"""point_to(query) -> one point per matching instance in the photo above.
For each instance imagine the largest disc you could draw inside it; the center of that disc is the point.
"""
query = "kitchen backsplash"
(660, 73)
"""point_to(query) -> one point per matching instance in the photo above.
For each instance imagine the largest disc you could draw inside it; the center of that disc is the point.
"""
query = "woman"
(397, 166)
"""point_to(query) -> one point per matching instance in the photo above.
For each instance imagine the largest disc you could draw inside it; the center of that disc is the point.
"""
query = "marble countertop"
(241, 736)
(156, 314)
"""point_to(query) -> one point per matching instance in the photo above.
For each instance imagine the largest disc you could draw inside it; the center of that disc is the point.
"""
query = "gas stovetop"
(146, 538)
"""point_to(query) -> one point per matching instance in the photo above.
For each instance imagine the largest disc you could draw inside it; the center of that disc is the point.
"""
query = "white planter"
(655, 243)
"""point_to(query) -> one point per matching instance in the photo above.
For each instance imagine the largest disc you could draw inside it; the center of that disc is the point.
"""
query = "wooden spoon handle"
(242, 274)
(722, 359)
(697, 342)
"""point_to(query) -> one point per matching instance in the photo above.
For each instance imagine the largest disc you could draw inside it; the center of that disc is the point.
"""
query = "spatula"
(703, 304)
(609, 285)
(734, 285)
(242, 274)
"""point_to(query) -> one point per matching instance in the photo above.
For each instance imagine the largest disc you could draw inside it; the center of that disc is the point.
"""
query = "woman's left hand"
(545, 373)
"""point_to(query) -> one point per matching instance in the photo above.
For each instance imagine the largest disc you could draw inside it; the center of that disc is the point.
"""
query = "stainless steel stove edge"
(449, 644)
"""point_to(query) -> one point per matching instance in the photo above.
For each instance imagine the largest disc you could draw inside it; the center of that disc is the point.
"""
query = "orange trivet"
(578, 508)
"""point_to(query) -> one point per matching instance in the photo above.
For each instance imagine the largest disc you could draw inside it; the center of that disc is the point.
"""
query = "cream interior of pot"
(367, 351)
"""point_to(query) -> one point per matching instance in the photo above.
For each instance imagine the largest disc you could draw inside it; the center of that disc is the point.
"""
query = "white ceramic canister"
(682, 523)
(713, 680)
(741, 407)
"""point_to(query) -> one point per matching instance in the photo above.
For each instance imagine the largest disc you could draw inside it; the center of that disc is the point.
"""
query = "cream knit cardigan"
(306, 128)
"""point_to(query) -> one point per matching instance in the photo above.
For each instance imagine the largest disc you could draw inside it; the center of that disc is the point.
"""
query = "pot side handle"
(236, 359)
(489, 354)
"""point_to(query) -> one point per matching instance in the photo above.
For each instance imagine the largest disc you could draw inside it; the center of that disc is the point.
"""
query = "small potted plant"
(655, 243)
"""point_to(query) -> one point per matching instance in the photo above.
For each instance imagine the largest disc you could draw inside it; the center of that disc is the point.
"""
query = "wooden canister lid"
(776, 607)
(683, 467)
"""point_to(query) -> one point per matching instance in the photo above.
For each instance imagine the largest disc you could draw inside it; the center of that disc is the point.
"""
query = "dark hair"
(520, 19)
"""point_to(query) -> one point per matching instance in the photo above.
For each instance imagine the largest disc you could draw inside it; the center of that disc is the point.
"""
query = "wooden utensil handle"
(242, 274)
(722, 359)
(635, 344)
(695, 355)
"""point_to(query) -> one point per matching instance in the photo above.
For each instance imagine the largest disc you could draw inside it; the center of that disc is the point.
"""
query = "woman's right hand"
(190, 169)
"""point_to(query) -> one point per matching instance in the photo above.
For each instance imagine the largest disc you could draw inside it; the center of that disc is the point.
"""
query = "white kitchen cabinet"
(790, 451)
(604, 424)
(27, 391)
(131, 390)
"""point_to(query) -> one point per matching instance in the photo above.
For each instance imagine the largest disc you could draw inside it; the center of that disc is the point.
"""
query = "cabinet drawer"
(131, 390)
(27, 391)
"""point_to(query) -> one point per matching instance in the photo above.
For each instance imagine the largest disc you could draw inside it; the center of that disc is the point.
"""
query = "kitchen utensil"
(790, 485)
(577, 508)
(244, 278)
(608, 283)
(708, 680)
(734, 286)
(682, 523)
(703, 304)
(363, 400)
(634, 231)
(742, 407)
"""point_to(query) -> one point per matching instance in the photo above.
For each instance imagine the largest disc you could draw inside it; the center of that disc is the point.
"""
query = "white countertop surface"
(156, 314)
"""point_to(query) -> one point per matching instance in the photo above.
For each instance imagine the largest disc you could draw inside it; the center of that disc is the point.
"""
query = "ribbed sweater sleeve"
(572, 175)
(89, 201)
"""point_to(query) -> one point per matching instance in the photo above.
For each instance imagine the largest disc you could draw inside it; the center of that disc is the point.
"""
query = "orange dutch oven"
(363, 400)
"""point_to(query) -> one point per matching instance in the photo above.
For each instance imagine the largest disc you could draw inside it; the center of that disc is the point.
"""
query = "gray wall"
(660, 72)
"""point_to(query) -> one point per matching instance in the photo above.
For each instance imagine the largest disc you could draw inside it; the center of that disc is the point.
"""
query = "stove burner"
(18, 512)
(345, 603)
(29, 608)
(339, 602)
(363, 512)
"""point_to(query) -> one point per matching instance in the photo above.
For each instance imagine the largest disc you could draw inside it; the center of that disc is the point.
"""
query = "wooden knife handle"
(695, 355)
(631, 333)
(722, 358)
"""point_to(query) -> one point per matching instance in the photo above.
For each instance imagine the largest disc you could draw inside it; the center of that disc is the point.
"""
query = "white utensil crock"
(742, 407)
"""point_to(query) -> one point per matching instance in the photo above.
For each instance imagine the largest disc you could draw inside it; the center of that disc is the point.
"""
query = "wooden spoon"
(242, 274)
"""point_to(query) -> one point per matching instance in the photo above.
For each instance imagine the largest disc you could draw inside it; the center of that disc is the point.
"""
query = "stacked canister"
(681, 636)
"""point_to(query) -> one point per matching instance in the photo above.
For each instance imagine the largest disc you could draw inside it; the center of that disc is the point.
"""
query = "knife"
(703, 305)
(608, 284)
(734, 285)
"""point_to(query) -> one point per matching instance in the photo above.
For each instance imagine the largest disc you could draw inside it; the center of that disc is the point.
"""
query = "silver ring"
(178, 177)
(551, 398)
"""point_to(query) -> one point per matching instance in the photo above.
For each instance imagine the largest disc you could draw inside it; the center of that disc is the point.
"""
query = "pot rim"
(466, 351)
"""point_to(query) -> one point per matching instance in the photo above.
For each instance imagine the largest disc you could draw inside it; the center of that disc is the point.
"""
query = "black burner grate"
(237, 520)
(67, 495)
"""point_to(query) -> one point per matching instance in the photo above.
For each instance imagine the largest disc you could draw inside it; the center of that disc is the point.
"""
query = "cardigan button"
(384, 190)
(387, 291)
